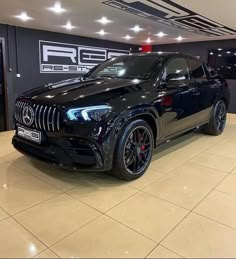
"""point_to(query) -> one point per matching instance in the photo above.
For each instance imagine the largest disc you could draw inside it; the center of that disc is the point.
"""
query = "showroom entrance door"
(2, 92)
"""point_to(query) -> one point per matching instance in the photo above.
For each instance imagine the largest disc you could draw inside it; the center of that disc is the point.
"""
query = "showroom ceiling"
(158, 21)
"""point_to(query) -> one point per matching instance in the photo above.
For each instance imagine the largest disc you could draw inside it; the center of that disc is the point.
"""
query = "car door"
(205, 88)
(179, 91)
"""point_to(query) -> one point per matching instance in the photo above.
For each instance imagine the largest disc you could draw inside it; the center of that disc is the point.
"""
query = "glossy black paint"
(170, 109)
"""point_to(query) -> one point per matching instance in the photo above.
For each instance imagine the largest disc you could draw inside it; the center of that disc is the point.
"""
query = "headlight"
(91, 113)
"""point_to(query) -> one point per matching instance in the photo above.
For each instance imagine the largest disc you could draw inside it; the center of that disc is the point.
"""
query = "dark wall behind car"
(202, 49)
(23, 57)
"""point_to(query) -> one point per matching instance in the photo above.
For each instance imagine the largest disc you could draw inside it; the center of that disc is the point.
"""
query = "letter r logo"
(59, 52)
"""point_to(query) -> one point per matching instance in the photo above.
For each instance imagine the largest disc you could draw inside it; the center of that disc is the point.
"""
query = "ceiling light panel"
(69, 26)
(161, 34)
(104, 20)
(128, 37)
(24, 17)
(102, 32)
(57, 8)
(136, 28)
(180, 38)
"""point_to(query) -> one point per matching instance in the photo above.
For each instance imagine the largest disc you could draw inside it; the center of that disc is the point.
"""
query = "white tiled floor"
(184, 206)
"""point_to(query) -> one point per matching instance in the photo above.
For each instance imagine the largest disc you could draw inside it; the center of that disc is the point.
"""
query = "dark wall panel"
(201, 49)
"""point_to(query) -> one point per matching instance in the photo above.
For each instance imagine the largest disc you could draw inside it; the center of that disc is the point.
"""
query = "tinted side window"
(176, 66)
(196, 69)
(210, 71)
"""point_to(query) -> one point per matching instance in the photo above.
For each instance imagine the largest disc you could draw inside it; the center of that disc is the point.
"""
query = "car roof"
(164, 54)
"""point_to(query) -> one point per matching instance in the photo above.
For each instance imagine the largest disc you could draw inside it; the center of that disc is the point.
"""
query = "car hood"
(89, 91)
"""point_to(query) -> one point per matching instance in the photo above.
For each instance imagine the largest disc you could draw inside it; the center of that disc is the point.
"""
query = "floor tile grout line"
(185, 162)
(29, 231)
(232, 195)
(134, 230)
(192, 211)
(221, 223)
(162, 199)
(172, 251)
(13, 215)
(208, 167)
(49, 200)
(85, 203)
(54, 253)
(5, 211)
(189, 161)
(159, 244)
(84, 225)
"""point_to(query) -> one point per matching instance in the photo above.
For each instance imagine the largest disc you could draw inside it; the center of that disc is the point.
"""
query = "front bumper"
(67, 152)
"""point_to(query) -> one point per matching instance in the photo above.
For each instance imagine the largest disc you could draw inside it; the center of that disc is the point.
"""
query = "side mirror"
(175, 78)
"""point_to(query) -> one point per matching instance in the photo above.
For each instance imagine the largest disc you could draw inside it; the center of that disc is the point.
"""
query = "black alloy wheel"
(218, 119)
(133, 151)
(221, 116)
(138, 149)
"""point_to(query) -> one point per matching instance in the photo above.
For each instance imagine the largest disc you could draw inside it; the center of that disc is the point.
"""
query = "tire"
(134, 150)
(218, 119)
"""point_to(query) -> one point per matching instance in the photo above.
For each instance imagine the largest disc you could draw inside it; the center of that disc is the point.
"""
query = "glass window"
(210, 71)
(196, 69)
(127, 67)
(176, 66)
(223, 61)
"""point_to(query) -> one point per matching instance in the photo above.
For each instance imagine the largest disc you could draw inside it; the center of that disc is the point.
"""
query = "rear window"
(196, 68)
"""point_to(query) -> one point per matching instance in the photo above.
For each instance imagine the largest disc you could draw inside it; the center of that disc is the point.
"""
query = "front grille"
(46, 117)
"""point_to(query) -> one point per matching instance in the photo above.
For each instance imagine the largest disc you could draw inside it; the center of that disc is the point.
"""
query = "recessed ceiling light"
(211, 53)
(219, 49)
(24, 17)
(180, 38)
(57, 8)
(128, 37)
(136, 28)
(104, 20)
(160, 34)
(219, 55)
(102, 32)
(228, 52)
(69, 26)
(148, 40)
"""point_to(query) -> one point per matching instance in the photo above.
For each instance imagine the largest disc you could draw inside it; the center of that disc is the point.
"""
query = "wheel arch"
(147, 115)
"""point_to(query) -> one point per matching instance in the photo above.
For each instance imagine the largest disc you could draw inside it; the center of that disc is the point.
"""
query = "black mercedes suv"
(112, 118)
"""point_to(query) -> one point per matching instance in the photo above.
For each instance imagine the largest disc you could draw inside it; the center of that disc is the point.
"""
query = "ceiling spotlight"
(102, 32)
(104, 20)
(219, 49)
(148, 40)
(219, 55)
(69, 26)
(136, 28)
(180, 38)
(128, 37)
(160, 34)
(24, 17)
(211, 53)
(228, 52)
(57, 8)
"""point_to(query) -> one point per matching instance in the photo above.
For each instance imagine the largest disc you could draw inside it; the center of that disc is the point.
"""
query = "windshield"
(140, 67)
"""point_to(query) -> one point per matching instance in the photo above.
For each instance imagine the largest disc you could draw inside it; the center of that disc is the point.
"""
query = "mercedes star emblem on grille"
(28, 115)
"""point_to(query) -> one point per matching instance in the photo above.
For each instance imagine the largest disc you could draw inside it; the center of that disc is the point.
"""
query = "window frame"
(190, 69)
(161, 81)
